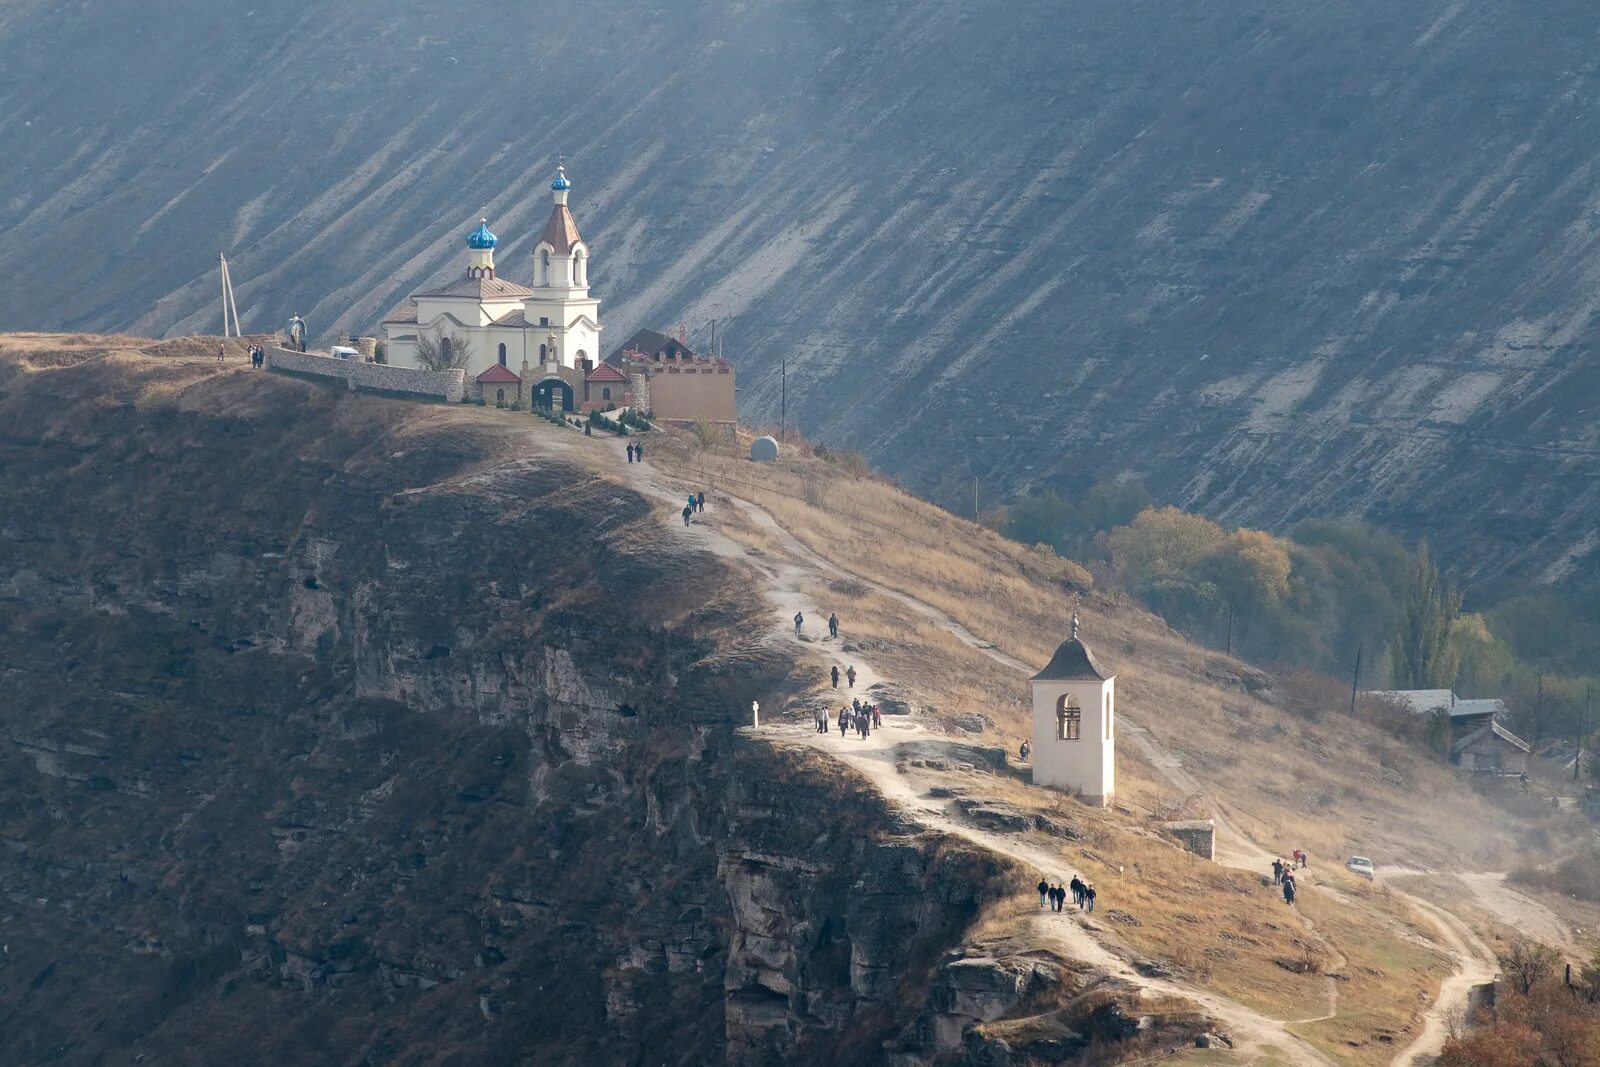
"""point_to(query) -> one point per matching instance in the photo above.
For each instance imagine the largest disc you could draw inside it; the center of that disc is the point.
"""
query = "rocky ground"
(332, 735)
(360, 731)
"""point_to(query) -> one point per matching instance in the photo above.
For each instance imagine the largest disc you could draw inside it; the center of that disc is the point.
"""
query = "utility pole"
(783, 398)
(975, 511)
(1355, 683)
(228, 303)
(1230, 627)
(1583, 724)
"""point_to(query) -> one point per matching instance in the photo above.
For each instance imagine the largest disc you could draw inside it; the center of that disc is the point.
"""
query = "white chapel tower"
(1074, 723)
(560, 309)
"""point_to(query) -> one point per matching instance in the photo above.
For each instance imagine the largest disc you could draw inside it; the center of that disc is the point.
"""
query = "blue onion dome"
(481, 238)
(561, 184)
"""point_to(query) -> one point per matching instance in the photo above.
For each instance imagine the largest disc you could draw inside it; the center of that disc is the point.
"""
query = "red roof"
(561, 232)
(497, 374)
(605, 372)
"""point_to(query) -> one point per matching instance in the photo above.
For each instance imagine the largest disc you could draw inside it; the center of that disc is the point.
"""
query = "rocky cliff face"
(340, 730)
(1279, 259)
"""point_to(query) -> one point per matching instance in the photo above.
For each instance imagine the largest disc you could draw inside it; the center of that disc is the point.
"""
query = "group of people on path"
(255, 354)
(1054, 897)
(833, 630)
(1283, 873)
(696, 505)
(849, 675)
(635, 453)
(856, 716)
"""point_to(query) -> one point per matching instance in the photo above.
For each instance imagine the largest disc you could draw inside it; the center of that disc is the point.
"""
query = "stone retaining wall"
(448, 385)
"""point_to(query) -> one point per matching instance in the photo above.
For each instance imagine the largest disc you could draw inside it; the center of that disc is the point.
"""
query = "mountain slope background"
(1278, 260)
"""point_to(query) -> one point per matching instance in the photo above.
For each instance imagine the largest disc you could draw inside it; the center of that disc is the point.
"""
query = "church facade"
(537, 344)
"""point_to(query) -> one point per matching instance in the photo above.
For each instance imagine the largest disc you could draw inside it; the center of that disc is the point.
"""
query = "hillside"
(1279, 259)
(367, 731)
(338, 732)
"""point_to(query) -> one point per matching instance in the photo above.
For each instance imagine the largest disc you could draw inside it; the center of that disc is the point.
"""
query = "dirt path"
(785, 579)
(877, 758)
(1521, 912)
(1475, 964)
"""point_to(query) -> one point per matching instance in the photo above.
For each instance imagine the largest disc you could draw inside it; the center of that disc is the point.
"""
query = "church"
(538, 345)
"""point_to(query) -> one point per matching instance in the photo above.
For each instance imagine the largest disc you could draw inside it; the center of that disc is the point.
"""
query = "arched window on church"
(544, 265)
(1069, 719)
(502, 354)
(446, 353)
(605, 394)
(541, 353)
(580, 270)
(500, 398)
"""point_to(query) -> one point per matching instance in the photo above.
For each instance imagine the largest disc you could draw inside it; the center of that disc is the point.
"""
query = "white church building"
(1074, 723)
(545, 337)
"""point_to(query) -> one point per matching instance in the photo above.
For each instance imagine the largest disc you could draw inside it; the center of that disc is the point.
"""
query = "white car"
(1362, 866)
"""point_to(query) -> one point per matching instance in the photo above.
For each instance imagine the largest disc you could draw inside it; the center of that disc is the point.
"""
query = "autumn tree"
(1424, 657)
(1162, 542)
(446, 351)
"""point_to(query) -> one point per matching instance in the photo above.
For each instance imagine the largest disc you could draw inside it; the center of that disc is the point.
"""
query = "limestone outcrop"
(340, 732)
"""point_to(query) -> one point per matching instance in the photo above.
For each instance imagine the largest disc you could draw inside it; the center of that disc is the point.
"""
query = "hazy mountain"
(1279, 259)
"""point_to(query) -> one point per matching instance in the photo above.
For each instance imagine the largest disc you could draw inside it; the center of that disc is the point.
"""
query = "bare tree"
(1527, 963)
(446, 351)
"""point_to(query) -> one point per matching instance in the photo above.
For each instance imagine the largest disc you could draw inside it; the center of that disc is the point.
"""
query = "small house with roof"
(538, 343)
(1074, 723)
(1480, 742)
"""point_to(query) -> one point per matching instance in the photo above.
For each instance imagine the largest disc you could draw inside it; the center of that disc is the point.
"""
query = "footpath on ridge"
(876, 760)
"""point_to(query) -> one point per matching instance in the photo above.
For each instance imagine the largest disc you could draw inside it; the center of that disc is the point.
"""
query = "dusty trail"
(876, 757)
(1475, 962)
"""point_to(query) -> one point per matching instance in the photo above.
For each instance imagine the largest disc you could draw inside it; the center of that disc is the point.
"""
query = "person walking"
(1077, 890)
(835, 674)
(222, 351)
(877, 716)
(799, 621)
(630, 451)
(851, 675)
(866, 726)
(1277, 872)
(1043, 887)
(844, 720)
(688, 515)
(700, 503)
(1088, 897)
(1301, 858)
(1025, 751)
(833, 625)
(638, 453)
(1288, 889)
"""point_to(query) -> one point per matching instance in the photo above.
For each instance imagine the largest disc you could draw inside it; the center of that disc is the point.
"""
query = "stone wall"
(449, 385)
(701, 390)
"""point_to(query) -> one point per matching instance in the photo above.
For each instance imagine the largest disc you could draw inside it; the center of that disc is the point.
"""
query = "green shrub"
(483, 402)
(516, 405)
